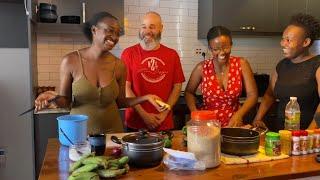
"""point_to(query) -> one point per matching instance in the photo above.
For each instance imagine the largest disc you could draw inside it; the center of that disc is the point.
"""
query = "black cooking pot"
(239, 141)
(143, 148)
(48, 13)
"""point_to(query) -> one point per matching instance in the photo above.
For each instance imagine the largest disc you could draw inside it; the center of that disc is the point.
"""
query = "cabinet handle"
(83, 12)
(25, 7)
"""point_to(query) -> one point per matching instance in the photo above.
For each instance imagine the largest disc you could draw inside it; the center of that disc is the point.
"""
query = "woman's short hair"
(216, 31)
(93, 22)
(309, 23)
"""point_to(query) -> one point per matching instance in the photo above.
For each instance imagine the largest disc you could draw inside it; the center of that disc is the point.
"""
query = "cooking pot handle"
(115, 139)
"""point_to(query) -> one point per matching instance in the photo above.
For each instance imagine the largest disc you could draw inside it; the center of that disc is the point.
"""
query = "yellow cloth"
(258, 157)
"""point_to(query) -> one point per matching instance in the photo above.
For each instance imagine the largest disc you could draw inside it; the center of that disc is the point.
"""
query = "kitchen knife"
(32, 109)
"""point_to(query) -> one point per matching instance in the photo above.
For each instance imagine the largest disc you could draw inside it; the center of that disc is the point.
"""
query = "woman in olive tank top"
(298, 74)
(92, 80)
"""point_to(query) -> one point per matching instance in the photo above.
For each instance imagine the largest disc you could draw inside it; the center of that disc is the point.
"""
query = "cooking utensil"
(143, 148)
(32, 109)
(239, 141)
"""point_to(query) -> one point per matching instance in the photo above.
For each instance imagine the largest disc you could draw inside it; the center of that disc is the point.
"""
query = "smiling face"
(106, 33)
(221, 48)
(150, 31)
(293, 41)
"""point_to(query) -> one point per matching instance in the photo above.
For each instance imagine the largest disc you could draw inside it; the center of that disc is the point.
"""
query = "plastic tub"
(74, 126)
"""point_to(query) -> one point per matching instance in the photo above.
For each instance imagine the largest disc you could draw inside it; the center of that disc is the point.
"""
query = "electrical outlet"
(198, 51)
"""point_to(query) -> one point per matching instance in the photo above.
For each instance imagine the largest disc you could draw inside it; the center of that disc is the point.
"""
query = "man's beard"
(150, 44)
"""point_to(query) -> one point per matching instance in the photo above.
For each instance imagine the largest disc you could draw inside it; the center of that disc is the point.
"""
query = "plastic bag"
(180, 160)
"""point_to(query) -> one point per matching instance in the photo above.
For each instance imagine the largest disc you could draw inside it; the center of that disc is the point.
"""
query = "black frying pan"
(239, 141)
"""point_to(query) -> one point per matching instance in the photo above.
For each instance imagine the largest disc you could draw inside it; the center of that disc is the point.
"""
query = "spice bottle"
(304, 142)
(285, 140)
(316, 140)
(272, 144)
(310, 140)
(295, 143)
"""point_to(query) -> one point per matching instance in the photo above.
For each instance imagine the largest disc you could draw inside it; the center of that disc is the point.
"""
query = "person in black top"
(298, 74)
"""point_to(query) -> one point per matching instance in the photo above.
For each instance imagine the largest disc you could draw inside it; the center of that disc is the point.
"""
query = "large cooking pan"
(239, 141)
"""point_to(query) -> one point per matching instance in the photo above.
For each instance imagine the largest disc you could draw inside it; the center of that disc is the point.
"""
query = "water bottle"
(292, 115)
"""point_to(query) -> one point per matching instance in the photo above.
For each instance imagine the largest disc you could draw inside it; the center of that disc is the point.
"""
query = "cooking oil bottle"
(292, 115)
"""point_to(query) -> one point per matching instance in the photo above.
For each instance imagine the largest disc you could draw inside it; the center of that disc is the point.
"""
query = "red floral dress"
(223, 102)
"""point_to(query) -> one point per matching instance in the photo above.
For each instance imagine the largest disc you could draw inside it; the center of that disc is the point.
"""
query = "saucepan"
(240, 141)
(145, 149)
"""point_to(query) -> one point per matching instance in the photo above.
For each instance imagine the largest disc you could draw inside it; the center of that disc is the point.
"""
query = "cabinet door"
(313, 8)
(246, 15)
(115, 7)
(287, 8)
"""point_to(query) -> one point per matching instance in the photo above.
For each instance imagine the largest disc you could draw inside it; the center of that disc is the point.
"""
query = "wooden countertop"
(56, 165)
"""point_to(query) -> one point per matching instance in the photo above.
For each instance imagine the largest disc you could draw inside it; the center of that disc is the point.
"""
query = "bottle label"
(292, 117)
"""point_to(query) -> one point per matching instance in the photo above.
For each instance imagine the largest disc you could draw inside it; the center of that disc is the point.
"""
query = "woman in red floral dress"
(221, 79)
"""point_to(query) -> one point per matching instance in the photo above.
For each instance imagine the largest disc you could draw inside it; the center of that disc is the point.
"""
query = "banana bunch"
(93, 167)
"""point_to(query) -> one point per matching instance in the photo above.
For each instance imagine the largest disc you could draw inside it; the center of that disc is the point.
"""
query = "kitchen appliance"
(70, 19)
(262, 81)
(144, 149)
(48, 13)
(239, 141)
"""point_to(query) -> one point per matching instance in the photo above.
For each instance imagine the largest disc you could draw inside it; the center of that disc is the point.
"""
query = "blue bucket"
(74, 126)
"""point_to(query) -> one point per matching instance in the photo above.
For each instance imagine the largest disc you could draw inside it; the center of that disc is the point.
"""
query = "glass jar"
(285, 140)
(203, 136)
(272, 144)
(310, 140)
(296, 142)
(76, 151)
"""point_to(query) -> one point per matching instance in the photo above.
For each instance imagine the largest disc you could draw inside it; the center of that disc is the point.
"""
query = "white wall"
(180, 32)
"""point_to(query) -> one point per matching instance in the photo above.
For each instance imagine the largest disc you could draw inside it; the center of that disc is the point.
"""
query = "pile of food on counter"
(93, 167)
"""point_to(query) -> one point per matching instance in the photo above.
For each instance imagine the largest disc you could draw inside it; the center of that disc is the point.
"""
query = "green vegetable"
(167, 142)
(85, 176)
(78, 163)
(123, 161)
(109, 173)
(85, 168)
(184, 130)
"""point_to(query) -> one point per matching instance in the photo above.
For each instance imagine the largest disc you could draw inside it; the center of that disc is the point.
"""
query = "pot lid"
(142, 137)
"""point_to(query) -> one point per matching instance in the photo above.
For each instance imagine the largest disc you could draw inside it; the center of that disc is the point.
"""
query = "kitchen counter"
(56, 165)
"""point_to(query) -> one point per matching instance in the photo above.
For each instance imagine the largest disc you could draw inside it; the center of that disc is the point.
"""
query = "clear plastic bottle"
(292, 115)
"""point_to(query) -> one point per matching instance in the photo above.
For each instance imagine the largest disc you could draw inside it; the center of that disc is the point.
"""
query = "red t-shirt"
(151, 72)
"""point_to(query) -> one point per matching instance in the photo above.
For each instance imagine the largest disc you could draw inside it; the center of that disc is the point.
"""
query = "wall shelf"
(59, 28)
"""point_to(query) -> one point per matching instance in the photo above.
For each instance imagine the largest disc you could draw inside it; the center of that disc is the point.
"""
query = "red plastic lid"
(296, 133)
(303, 133)
(203, 115)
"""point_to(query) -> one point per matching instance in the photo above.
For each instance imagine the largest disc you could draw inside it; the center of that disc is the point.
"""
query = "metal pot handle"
(115, 139)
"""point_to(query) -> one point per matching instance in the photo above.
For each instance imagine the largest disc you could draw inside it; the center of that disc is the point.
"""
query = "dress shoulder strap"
(80, 59)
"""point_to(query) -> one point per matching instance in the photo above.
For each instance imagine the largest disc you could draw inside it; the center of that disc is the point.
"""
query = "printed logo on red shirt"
(153, 70)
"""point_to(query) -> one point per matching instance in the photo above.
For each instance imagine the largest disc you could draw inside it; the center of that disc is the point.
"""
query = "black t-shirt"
(299, 80)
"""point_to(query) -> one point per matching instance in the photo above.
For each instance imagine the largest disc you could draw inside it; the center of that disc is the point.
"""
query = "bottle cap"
(296, 133)
(310, 132)
(203, 115)
(272, 135)
(293, 98)
(303, 133)
(285, 133)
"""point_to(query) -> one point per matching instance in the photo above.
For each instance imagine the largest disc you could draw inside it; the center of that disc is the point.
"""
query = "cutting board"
(258, 157)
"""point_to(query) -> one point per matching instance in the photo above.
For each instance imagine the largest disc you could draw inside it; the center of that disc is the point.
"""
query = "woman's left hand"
(236, 120)
(152, 99)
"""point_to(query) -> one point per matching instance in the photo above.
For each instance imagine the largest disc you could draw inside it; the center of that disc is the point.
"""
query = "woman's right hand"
(258, 123)
(42, 100)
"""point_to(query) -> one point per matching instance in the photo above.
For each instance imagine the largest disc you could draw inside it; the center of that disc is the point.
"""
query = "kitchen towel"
(258, 157)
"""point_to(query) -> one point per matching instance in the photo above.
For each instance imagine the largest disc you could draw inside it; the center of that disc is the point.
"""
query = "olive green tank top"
(98, 103)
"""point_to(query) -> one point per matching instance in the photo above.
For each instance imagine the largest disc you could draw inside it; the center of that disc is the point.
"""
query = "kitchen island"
(56, 165)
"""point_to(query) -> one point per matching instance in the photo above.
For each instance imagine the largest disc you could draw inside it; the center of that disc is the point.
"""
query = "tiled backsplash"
(180, 32)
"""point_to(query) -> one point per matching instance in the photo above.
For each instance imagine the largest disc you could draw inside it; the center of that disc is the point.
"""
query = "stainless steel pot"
(239, 141)
(143, 148)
